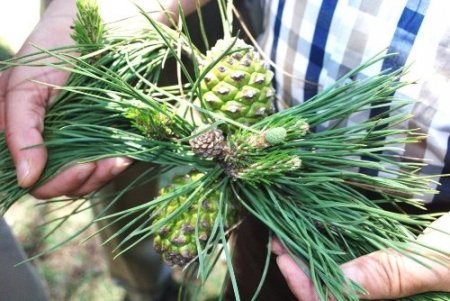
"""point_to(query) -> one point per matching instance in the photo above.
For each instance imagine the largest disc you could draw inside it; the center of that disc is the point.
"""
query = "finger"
(25, 104)
(25, 109)
(106, 170)
(68, 180)
(299, 283)
(3, 84)
(277, 247)
(82, 179)
(397, 275)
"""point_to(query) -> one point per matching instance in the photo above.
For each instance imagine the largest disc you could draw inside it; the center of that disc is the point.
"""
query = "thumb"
(387, 274)
(26, 104)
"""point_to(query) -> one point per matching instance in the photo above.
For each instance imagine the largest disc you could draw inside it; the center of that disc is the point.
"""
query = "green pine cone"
(275, 136)
(176, 241)
(239, 86)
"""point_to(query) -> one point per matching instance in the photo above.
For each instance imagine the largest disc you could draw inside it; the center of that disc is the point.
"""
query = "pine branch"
(299, 181)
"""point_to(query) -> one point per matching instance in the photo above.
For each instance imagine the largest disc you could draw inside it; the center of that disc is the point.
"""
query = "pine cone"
(239, 86)
(209, 145)
(176, 239)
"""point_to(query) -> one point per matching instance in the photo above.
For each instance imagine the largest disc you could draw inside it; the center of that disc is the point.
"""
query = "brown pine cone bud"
(209, 144)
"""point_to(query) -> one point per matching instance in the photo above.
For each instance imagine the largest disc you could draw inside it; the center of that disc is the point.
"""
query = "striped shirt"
(320, 41)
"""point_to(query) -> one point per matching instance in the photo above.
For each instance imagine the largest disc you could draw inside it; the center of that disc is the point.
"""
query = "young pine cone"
(209, 144)
(239, 86)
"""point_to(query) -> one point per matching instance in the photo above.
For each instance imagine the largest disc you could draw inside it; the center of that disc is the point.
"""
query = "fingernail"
(120, 165)
(23, 171)
(277, 247)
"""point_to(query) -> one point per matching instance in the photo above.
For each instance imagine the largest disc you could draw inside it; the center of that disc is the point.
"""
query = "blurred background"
(17, 19)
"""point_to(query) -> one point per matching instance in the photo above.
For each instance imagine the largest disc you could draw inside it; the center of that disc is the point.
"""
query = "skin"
(384, 274)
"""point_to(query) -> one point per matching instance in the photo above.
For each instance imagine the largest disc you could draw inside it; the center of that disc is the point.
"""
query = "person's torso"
(316, 42)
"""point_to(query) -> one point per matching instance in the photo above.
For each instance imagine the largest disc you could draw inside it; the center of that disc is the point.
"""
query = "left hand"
(23, 103)
(384, 274)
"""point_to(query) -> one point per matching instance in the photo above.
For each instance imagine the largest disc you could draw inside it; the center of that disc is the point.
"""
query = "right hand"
(384, 274)
(23, 106)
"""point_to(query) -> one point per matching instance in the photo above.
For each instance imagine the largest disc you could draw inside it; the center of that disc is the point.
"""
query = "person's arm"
(384, 274)
(23, 103)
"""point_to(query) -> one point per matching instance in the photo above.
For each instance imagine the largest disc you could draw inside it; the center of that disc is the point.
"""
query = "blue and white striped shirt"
(317, 41)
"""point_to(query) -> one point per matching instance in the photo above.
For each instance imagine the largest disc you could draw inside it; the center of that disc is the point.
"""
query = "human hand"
(22, 109)
(23, 103)
(384, 274)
